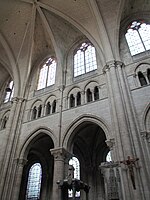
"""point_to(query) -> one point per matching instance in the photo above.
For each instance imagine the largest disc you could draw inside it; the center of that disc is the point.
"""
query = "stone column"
(126, 129)
(18, 164)
(60, 155)
(138, 148)
(120, 133)
(120, 130)
(13, 127)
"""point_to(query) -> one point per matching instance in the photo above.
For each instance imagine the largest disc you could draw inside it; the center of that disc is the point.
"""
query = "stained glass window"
(138, 37)
(75, 163)
(9, 92)
(34, 182)
(47, 74)
(108, 157)
(84, 59)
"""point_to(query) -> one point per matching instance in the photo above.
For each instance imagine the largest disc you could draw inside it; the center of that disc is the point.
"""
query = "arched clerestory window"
(138, 37)
(84, 59)
(9, 92)
(34, 182)
(142, 79)
(47, 74)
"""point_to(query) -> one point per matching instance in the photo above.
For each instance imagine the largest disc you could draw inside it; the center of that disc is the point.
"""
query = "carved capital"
(109, 164)
(119, 64)
(60, 154)
(112, 64)
(61, 88)
(17, 100)
(110, 143)
(106, 68)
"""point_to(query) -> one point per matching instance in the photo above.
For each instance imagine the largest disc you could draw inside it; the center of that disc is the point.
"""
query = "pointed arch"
(32, 137)
(69, 133)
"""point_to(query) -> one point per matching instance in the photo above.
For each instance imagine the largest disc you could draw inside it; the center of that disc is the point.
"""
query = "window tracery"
(84, 59)
(138, 37)
(47, 74)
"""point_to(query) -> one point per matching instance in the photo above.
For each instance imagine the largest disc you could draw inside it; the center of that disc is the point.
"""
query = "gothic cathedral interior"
(74, 100)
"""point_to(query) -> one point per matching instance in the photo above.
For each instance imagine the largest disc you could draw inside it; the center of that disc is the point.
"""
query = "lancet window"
(76, 165)
(34, 182)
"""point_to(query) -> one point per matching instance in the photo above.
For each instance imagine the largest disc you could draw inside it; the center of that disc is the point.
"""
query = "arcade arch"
(87, 142)
(38, 152)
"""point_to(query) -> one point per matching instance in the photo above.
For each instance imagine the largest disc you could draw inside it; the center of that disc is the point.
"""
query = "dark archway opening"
(89, 146)
(39, 152)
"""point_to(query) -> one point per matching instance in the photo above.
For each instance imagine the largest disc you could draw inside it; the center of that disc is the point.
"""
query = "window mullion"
(84, 62)
(47, 75)
(141, 39)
